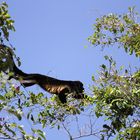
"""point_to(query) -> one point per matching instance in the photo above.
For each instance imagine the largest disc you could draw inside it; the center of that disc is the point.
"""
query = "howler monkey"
(49, 84)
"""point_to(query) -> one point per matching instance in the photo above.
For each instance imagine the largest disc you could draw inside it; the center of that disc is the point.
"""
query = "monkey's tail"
(24, 78)
(18, 72)
(15, 69)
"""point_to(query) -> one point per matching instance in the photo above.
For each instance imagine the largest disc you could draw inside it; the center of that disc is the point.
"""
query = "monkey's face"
(78, 86)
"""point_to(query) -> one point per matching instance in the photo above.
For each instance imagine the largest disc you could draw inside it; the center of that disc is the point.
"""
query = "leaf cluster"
(123, 30)
(6, 23)
(116, 93)
(117, 97)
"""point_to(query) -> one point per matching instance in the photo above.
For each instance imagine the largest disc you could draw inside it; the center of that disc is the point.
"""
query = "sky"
(51, 39)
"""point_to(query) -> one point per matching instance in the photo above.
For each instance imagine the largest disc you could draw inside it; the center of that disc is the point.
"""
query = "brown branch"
(81, 132)
(68, 132)
(78, 128)
(87, 135)
(90, 126)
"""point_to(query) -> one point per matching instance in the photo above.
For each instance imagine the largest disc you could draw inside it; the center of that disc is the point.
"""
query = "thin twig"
(87, 135)
(68, 132)
(78, 128)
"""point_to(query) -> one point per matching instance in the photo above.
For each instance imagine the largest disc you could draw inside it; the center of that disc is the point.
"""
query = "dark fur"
(52, 85)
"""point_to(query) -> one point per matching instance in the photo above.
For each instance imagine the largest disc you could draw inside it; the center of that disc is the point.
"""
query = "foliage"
(117, 98)
(6, 23)
(117, 91)
(36, 108)
(13, 101)
(18, 105)
(115, 94)
(122, 30)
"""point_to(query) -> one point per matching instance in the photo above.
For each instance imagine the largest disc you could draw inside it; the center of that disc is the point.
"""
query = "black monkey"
(49, 84)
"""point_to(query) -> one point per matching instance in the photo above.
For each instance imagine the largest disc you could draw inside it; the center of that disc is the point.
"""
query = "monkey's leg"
(62, 95)
(27, 83)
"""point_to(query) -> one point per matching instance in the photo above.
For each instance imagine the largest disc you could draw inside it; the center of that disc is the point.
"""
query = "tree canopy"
(115, 93)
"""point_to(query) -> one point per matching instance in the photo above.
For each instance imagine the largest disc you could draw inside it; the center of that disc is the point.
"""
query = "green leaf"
(2, 98)
(93, 78)
(106, 57)
(103, 66)
(15, 113)
(41, 133)
(58, 127)
(10, 130)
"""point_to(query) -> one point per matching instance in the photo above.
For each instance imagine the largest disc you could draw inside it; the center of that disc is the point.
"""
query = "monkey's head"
(78, 90)
(76, 86)
(80, 87)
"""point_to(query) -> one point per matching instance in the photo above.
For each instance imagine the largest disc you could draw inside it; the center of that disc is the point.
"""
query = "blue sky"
(51, 36)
